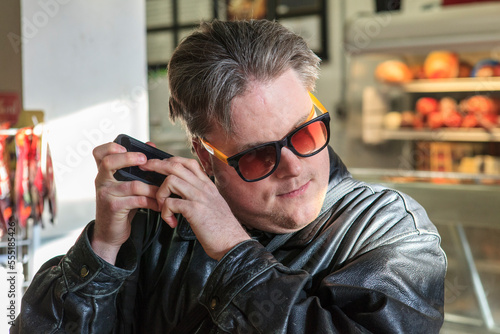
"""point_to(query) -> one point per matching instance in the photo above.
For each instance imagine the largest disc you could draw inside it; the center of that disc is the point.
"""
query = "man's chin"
(282, 218)
(291, 222)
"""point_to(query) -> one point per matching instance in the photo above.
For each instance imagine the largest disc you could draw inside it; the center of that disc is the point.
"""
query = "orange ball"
(393, 71)
(441, 65)
(426, 105)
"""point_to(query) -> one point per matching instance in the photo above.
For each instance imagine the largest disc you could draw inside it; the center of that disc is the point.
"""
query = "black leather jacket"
(371, 262)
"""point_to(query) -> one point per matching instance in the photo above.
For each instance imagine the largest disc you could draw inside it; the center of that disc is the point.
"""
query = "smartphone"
(134, 173)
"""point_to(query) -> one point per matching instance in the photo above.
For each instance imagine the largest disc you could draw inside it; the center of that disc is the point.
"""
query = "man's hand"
(201, 204)
(117, 201)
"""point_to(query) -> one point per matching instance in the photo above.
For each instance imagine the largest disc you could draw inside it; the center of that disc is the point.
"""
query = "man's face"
(292, 196)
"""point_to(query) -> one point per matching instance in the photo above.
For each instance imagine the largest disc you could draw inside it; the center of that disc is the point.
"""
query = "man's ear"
(203, 156)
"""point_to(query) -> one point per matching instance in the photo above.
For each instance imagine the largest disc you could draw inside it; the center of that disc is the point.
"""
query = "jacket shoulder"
(371, 216)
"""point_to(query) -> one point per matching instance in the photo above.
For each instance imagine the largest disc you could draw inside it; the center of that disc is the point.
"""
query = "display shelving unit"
(463, 206)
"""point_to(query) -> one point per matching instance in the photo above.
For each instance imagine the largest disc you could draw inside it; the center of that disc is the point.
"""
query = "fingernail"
(171, 221)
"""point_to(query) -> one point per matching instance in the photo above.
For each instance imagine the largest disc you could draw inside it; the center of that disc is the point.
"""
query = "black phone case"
(134, 173)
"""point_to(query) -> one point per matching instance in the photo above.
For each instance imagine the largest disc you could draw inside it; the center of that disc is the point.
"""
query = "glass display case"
(453, 171)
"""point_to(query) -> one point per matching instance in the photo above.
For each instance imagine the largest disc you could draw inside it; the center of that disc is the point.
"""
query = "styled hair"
(217, 62)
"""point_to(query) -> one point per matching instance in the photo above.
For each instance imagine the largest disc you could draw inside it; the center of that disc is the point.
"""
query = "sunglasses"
(258, 162)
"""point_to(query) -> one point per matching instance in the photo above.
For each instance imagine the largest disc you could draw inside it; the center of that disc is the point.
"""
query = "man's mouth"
(296, 192)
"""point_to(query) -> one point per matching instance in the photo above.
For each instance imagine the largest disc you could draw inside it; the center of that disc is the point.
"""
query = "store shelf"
(462, 135)
(473, 204)
(416, 175)
(471, 27)
(490, 84)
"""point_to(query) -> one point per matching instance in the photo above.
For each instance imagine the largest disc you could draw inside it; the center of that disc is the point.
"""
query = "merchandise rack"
(23, 240)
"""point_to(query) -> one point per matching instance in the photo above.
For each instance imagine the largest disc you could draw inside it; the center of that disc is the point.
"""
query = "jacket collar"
(338, 171)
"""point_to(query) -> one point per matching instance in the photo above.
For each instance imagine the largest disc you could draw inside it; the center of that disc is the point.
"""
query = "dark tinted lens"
(257, 162)
(311, 138)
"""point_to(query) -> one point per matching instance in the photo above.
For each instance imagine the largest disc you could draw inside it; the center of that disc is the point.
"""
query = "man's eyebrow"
(301, 121)
(304, 119)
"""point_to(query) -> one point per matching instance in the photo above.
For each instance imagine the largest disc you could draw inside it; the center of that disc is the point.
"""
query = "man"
(269, 235)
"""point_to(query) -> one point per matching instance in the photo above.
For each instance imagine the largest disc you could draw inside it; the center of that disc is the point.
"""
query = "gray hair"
(216, 62)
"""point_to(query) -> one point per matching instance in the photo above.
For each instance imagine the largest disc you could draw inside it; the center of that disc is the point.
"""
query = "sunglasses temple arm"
(215, 152)
(318, 104)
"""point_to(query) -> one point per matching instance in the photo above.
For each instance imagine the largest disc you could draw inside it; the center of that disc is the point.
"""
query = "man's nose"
(290, 164)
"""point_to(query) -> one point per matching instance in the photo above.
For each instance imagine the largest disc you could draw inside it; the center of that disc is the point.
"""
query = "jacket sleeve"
(75, 293)
(388, 283)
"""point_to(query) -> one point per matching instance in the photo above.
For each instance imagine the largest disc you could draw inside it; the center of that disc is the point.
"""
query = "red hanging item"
(22, 196)
(36, 185)
(26, 177)
(50, 187)
(5, 200)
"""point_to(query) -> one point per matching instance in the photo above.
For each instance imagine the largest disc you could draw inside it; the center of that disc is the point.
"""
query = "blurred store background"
(412, 87)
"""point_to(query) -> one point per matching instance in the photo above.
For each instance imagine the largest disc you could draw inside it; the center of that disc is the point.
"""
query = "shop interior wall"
(84, 65)
(10, 57)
